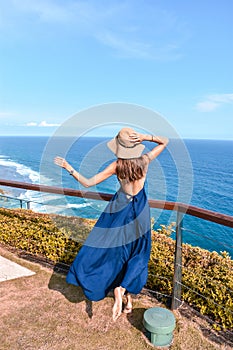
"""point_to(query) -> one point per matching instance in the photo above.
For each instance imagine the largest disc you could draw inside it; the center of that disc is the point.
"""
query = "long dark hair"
(133, 169)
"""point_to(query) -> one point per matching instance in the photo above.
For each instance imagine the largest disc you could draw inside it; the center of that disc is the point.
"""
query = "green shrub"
(49, 236)
(207, 276)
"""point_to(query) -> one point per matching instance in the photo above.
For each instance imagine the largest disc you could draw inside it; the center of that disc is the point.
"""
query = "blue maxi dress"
(117, 250)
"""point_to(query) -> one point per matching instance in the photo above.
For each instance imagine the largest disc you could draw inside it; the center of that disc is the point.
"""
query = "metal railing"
(180, 208)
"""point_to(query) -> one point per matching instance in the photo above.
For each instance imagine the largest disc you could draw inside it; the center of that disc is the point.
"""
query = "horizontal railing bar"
(56, 190)
(209, 215)
(205, 214)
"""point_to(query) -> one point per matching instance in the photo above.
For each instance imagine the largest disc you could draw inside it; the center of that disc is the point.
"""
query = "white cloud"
(42, 124)
(45, 10)
(206, 106)
(31, 124)
(45, 124)
(212, 102)
(158, 34)
(222, 98)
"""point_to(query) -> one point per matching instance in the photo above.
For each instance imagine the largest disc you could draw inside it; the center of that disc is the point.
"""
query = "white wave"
(37, 199)
(39, 202)
(78, 206)
(21, 169)
(51, 197)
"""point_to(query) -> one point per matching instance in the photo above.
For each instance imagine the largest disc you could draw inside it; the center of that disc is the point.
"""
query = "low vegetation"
(207, 279)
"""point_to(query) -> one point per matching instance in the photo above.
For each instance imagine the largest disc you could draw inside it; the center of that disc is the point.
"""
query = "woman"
(116, 252)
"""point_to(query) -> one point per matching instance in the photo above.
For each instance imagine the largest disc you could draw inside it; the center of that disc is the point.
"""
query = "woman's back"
(132, 188)
(131, 174)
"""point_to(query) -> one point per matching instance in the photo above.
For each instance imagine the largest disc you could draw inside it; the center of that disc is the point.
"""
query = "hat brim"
(123, 152)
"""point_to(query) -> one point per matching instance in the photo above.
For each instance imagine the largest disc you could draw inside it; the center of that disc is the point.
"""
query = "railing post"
(21, 203)
(28, 205)
(177, 277)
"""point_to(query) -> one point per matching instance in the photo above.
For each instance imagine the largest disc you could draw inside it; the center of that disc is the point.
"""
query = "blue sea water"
(196, 172)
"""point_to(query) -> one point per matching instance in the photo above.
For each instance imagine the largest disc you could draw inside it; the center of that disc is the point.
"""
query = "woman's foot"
(129, 306)
(117, 307)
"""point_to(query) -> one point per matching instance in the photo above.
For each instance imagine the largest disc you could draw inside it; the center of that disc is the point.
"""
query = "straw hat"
(123, 147)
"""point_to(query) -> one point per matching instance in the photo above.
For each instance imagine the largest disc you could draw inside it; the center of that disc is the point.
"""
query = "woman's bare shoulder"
(112, 166)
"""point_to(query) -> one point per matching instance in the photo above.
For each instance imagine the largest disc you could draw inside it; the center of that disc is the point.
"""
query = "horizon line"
(106, 136)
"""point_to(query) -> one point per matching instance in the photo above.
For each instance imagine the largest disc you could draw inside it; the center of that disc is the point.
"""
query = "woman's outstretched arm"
(161, 141)
(96, 179)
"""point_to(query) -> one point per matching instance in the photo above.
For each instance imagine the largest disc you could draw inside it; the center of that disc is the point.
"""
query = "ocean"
(196, 172)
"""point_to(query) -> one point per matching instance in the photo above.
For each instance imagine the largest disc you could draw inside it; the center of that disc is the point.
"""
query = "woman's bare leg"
(117, 307)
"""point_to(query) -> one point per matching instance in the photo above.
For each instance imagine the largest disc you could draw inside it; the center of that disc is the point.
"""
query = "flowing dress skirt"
(117, 250)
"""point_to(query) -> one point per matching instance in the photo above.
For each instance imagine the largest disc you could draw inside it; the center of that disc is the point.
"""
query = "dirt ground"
(43, 312)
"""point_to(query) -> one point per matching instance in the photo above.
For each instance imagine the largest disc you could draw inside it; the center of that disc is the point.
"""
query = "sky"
(61, 57)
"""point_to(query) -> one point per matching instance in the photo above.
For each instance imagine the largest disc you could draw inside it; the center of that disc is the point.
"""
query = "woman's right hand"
(136, 137)
(61, 162)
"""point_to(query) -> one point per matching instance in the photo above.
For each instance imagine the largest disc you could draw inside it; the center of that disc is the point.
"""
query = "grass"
(43, 312)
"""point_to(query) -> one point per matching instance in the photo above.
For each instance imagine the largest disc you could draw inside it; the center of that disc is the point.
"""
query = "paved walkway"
(10, 270)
